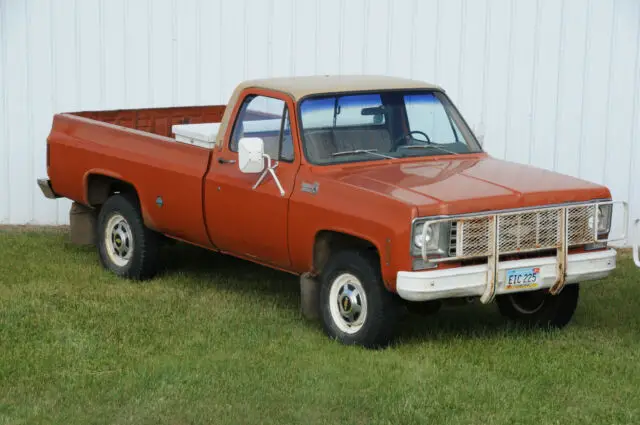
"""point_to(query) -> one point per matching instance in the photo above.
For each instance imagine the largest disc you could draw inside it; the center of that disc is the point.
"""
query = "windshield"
(383, 125)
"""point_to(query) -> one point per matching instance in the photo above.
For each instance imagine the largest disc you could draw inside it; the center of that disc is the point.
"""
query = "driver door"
(241, 220)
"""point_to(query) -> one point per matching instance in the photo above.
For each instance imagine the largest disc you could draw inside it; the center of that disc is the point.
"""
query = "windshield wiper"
(427, 146)
(373, 152)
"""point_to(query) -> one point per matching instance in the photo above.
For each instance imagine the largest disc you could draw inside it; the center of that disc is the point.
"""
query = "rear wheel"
(355, 306)
(539, 308)
(125, 245)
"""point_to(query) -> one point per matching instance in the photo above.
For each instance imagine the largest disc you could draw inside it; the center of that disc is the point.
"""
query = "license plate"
(522, 278)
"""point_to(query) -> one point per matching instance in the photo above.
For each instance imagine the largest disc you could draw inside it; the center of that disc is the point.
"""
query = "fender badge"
(159, 201)
(310, 187)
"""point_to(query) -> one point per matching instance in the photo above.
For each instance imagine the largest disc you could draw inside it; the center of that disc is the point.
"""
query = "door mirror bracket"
(251, 159)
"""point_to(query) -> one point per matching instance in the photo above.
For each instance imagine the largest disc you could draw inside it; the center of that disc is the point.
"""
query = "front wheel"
(539, 308)
(125, 245)
(356, 307)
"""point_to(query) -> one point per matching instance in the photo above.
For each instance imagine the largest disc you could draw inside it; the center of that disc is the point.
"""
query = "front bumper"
(471, 281)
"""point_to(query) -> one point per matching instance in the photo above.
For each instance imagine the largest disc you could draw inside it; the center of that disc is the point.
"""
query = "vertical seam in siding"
(3, 99)
(54, 85)
(557, 118)
(437, 49)
(270, 39)
(507, 125)
(292, 42)
(78, 71)
(612, 44)
(30, 142)
(485, 64)
(315, 37)
(389, 35)
(463, 34)
(582, 90)
(150, 95)
(534, 80)
(365, 30)
(412, 48)
(198, 49)
(220, 62)
(124, 53)
(101, 72)
(174, 60)
(245, 31)
(634, 126)
(341, 38)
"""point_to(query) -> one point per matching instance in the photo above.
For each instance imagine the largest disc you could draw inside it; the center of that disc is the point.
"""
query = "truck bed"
(136, 146)
(157, 120)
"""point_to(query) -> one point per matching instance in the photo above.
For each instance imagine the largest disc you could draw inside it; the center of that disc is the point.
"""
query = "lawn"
(219, 340)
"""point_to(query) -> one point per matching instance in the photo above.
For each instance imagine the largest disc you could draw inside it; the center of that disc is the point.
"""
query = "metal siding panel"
(596, 90)
(162, 41)
(472, 73)
(425, 40)
(115, 84)
(499, 33)
(5, 179)
(328, 41)
(353, 37)
(377, 37)
(571, 82)
(17, 136)
(550, 20)
(281, 38)
(210, 62)
(548, 80)
(305, 36)
(40, 104)
(400, 44)
(257, 43)
(450, 29)
(620, 117)
(521, 66)
(136, 58)
(232, 37)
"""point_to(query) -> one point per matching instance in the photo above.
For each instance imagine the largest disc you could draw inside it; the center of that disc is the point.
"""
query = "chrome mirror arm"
(271, 170)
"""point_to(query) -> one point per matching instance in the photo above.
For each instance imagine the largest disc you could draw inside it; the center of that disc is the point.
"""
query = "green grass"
(219, 340)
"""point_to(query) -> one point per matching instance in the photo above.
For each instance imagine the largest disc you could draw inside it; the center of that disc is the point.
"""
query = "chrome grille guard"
(527, 230)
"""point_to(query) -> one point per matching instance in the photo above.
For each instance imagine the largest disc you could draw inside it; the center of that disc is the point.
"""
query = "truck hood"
(457, 186)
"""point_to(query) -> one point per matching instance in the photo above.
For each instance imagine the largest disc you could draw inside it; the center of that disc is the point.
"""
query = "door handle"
(226, 161)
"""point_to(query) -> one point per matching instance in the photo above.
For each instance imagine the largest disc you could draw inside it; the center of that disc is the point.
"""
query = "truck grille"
(518, 232)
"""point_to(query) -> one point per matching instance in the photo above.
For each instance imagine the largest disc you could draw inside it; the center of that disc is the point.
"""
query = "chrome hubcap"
(118, 240)
(348, 303)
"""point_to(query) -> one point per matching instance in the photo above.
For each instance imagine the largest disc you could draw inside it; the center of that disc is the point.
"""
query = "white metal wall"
(553, 83)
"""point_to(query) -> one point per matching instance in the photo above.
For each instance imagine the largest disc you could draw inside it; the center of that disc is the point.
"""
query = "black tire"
(142, 261)
(539, 308)
(382, 306)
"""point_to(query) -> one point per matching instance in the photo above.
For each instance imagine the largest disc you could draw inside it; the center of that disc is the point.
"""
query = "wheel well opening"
(100, 188)
(328, 242)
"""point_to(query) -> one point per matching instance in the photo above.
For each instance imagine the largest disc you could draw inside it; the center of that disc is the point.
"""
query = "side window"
(268, 119)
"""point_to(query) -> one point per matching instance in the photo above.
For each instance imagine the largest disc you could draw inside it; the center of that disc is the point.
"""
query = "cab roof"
(299, 87)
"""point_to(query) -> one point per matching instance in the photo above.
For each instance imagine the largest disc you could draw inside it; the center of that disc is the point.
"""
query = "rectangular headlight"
(434, 236)
(604, 218)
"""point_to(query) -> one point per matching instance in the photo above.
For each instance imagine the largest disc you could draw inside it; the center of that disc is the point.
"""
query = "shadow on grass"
(207, 269)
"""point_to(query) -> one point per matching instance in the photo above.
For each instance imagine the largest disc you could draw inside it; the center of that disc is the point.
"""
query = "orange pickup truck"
(375, 187)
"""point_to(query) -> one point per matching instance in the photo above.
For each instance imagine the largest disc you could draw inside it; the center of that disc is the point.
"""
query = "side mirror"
(251, 155)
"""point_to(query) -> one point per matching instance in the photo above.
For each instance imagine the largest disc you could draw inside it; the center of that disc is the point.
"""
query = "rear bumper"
(47, 190)
(470, 281)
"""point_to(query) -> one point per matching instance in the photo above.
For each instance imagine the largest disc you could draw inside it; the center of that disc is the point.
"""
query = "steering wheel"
(408, 136)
